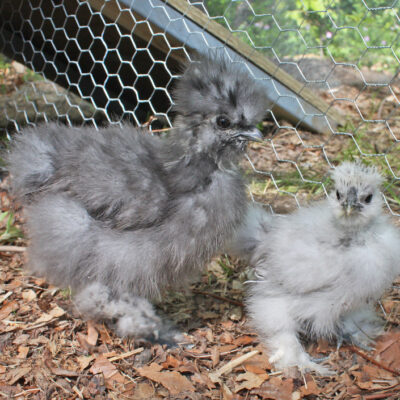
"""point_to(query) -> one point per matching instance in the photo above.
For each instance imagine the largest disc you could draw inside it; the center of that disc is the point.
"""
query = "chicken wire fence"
(332, 76)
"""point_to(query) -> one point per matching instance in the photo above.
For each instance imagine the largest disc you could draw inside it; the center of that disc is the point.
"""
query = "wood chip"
(127, 354)
(215, 376)
(92, 335)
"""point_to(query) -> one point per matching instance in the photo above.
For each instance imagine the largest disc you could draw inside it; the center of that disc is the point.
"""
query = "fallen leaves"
(275, 389)
(22, 351)
(7, 309)
(56, 370)
(84, 361)
(387, 350)
(173, 381)
(250, 380)
(309, 388)
(112, 377)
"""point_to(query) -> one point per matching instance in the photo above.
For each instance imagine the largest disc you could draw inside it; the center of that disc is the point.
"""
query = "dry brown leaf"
(16, 283)
(29, 295)
(228, 325)
(143, 391)
(92, 335)
(258, 364)
(21, 339)
(7, 309)
(377, 373)
(203, 379)
(47, 355)
(363, 380)
(112, 377)
(55, 312)
(104, 335)
(171, 380)
(250, 381)
(84, 361)
(171, 361)
(244, 340)
(275, 389)
(37, 341)
(188, 367)
(387, 350)
(255, 369)
(22, 352)
(108, 369)
(226, 337)
(310, 389)
(3, 369)
(82, 339)
(226, 348)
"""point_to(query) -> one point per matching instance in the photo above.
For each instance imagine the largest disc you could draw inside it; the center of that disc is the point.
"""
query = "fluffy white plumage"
(321, 269)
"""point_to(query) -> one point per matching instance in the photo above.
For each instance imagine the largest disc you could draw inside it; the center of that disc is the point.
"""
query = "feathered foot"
(131, 316)
(288, 352)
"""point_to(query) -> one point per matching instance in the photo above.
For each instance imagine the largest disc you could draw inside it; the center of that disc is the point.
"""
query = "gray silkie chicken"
(321, 269)
(118, 214)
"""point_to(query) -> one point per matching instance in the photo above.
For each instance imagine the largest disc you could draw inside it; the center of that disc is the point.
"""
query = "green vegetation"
(10, 232)
(345, 29)
(9, 78)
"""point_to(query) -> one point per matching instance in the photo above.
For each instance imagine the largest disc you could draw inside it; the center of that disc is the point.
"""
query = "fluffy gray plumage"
(118, 214)
(321, 269)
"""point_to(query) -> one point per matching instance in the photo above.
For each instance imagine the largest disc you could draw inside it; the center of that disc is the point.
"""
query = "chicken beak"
(351, 204)
(348, 209)
(252, 134)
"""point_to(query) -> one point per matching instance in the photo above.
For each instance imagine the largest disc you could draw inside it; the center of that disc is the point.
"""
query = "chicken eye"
(338, 194)
(223, 122)
(368, 199)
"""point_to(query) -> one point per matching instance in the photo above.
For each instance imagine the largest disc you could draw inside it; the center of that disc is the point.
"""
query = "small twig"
(78, 392)
(377, 396)
(60, 386)
(6, 296)
(14, 249)
(215, 296)
(225, 353)
(149, 121)
(40, 325)
(33, 390)
(228, 367)
(373, 361)
(127, 354)
(160, 130)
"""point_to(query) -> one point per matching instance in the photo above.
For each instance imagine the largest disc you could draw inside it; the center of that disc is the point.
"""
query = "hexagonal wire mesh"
(105, 61)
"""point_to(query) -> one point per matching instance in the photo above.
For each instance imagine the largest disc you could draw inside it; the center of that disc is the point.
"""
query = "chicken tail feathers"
(30, 161)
